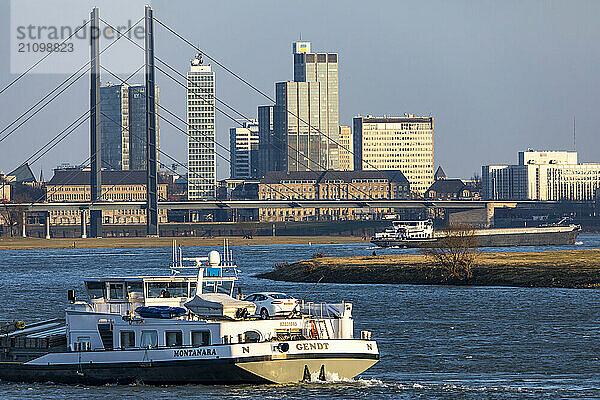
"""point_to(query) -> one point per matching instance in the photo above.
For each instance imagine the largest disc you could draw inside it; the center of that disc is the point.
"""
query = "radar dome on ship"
(214, 258)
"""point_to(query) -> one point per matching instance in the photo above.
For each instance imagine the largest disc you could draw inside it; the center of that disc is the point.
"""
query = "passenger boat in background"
(180, 329)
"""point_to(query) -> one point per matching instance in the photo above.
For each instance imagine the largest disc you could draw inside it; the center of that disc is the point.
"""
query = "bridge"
(253, 204)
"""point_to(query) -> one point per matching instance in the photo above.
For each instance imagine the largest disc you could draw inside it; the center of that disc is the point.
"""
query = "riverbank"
(566, 269)
(127, 242)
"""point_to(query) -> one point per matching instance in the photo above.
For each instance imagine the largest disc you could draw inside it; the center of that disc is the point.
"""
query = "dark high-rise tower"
(306, 114)
(123, 126)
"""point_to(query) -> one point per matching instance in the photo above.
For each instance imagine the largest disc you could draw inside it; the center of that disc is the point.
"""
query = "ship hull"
(498, 238)
(259, 369)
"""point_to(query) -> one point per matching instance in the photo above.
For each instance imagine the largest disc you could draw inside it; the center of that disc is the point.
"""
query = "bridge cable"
(43, 58)
(258, 90)
(261, 92)
(248, 119)
(57, 87)
(192, 137)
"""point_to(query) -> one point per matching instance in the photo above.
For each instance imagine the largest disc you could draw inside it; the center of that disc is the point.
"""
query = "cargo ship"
(422, 234)
(184, 329)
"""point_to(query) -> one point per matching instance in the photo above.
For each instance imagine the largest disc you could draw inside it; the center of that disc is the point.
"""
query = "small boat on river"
(181, 329)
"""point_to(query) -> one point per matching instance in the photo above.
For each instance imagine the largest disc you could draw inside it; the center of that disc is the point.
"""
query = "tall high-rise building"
(399, 143)
(123, 126)
(345, 147)
(307, 111)
(202, 155)
(243, 151)
(269, 146)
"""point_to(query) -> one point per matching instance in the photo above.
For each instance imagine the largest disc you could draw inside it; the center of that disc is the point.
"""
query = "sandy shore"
(124, 242)
(567, 269)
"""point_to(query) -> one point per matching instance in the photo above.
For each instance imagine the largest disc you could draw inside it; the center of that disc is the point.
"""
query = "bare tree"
(456, 251)
(12, 218)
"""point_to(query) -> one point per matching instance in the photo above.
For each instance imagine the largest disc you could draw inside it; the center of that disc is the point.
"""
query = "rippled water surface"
(436, 342)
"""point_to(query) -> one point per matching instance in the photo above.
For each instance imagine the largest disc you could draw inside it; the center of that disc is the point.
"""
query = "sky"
(498, 77)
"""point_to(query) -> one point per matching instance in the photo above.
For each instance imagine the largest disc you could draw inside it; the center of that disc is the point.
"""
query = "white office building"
(397, 143)
(243, 148)
(202, 177)
(542, 175)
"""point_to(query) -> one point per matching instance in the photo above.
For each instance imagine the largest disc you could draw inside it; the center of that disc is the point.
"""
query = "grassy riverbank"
(567, 269)
(125, 242)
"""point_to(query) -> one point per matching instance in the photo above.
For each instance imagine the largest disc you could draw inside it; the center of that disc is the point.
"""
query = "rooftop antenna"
(574, 142)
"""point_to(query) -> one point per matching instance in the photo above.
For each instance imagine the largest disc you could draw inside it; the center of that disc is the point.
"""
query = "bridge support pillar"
(24, 230)
(83, 224)
(151, 161)
(489, 213)
(47, 224)
(95, 142)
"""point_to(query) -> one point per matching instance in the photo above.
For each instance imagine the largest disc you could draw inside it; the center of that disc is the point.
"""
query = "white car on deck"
(271, 304)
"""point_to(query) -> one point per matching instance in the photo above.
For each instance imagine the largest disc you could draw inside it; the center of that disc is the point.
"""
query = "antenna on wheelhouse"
(173, 254)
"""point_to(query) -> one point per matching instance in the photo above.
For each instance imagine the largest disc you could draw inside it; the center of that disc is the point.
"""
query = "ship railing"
(114, 308)
(326, 310)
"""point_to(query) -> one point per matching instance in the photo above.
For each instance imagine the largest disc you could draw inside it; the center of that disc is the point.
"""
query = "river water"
(436, 342)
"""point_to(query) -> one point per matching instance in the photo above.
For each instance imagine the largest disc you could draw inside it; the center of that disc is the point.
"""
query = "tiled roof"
(447, 186)
(23, 174)
(439, 174)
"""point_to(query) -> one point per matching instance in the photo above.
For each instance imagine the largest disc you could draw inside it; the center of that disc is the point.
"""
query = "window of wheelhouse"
(166, 289)
(213, 286)
(200, 338)
(116, 291)
(96, 290)
(134, 289)
(127, 339)
(173, 338)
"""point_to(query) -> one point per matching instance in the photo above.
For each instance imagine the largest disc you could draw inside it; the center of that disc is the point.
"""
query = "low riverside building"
(445, 188)
(73, 185)
(542, 175)
(449, 189)
(330, 185)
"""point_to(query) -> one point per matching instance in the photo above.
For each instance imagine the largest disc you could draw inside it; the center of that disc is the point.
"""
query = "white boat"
(185, 329)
